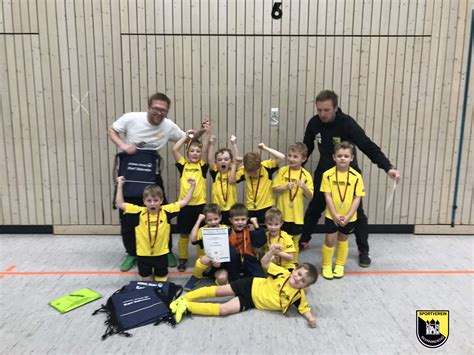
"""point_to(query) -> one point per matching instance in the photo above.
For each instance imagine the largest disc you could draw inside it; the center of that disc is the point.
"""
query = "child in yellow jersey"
(275, 235)
(194, 166)
(277, 292)
(343, 189)
(204, 265)
(258, 175)
(153, 229)
(293, 184)
(223, 192)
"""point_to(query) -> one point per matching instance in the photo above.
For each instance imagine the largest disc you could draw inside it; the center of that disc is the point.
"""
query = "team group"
(263, 271)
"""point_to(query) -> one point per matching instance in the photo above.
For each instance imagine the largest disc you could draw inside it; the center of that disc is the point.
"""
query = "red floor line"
(10, 268)
(386, 272)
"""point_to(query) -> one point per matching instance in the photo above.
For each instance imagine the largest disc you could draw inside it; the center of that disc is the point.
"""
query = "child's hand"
(192, 181)
(216, 263)
(337, 219)
(344, 220)
(254, 221)
(262, 146)
(290, 185)
(206, 124)
(233, 139)
(120, 181)
(275, 247)
(312, 322)
(201, 217)
(190, 133)
(239, 160)
(212, 139)
(301, 184)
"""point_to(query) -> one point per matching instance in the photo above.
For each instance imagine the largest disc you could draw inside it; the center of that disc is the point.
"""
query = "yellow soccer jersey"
(197, 171)
(259, 194)
(153, 241)
(342, 190)
(224, 194)
(274, 294)
(291, 202)
(287, 244)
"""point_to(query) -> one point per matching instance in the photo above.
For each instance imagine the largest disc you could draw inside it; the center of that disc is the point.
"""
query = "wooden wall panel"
(70, 68)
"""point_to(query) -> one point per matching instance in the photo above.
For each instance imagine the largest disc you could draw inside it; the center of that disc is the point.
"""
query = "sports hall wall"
(70, 68)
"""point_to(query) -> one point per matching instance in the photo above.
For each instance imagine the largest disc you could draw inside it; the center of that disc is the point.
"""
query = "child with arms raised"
(224, 194)
(194, 166)
(153, 229)
(258, 175)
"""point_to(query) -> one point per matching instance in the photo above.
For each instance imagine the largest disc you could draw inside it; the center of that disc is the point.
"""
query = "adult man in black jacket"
(329, 127)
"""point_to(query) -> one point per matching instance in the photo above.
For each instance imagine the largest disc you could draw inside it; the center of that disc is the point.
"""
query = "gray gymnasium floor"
(368, 311)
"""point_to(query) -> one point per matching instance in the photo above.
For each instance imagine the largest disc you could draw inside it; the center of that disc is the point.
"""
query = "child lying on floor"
(277, 292)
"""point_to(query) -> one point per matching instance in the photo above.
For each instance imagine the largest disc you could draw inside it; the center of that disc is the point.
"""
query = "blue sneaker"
(192, 282)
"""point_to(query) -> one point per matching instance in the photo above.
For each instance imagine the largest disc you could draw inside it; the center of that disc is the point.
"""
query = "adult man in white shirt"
(151, 130)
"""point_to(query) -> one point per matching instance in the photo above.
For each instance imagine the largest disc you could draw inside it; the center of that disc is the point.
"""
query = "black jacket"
(343, 128)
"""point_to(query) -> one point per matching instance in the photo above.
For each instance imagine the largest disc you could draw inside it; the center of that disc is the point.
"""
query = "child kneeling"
(277, 292)
(204, 265)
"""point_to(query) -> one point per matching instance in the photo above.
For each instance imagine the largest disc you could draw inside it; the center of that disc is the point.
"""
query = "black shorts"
(243, 290)
(332, 227)
(187, 217)
(292, 228)
(260, 214)
(152, 265)
(213, 270)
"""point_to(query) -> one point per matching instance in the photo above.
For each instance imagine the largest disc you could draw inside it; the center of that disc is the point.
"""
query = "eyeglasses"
(158, 110)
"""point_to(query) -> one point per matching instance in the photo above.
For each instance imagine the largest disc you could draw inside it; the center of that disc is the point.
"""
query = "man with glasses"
(146, 130)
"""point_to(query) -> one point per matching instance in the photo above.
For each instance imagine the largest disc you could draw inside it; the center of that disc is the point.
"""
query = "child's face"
(223, 161)
(343, 158)
(295, 159)
(238, 222)
(152, 203)
(299, 278)
(194, 154)
(274, 227)
(212, 219)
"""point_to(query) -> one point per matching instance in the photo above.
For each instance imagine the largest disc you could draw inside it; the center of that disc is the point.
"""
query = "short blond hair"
(299, 147)
(273, 214)
(344, 145)
(252, 161)
(153, 191)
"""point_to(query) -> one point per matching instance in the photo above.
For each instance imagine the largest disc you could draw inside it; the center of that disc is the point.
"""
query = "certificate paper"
(216, 243)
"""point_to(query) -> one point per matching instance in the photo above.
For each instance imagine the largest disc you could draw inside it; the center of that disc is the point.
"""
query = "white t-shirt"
(137, 130)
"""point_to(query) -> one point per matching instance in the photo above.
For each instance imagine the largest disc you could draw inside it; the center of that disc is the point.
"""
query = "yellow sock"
(201, 293)
(160, 278)
(205, 309)
(327, 254)
(199, 269)
(342, 252)
(296, 242)
(183, 246)
(200, 251)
